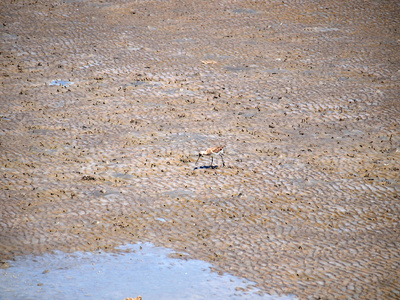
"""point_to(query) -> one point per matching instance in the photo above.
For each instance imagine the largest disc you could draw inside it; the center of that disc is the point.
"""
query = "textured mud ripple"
(303, 94)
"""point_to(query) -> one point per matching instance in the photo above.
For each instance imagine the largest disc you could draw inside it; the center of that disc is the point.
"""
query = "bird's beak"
(198, 159)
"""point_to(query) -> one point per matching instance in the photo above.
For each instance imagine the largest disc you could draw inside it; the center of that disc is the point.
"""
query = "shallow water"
(61, 82)
(133, 270)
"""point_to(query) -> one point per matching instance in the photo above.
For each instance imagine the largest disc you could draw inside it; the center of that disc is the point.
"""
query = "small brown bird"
(213, 152)
(137, 298)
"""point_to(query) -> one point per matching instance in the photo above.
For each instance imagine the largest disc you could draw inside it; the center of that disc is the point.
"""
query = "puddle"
(238, 68)
(179, 193)
(274, 71)
(140, 269)
(60, 82)
(244, 11)
(123, 175)
(184, 40)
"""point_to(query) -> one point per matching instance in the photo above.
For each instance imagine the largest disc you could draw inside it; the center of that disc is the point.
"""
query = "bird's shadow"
(205, 167)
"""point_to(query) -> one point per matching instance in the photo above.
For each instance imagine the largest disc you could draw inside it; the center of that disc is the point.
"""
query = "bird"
(213, 151)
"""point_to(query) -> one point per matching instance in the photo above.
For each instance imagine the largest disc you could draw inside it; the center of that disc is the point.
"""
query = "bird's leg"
(223, 163)
(198, 159)
(211, 160)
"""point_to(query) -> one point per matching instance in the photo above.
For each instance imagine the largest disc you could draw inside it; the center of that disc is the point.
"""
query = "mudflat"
(105, 106)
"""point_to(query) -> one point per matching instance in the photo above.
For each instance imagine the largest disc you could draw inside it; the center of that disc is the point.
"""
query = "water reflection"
(133, 270)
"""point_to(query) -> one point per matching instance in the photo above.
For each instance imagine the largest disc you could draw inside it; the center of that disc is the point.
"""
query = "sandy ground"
(105, 106)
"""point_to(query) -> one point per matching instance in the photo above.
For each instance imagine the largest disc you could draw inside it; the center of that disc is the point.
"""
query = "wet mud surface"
(106, 105)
